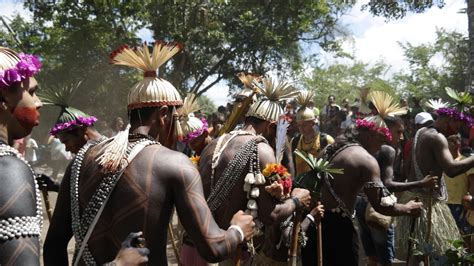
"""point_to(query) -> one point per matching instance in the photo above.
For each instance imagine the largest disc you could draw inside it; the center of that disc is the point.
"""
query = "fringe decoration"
(443, 226)
(140, 57)
(112, 157)
(178, 131)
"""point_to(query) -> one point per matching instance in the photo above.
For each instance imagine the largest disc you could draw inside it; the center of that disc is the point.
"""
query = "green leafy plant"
(462, 99)
(312, 180)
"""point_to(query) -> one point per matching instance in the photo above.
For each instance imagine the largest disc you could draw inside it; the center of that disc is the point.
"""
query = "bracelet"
(310, 217)
(296, 201)
(241, 233)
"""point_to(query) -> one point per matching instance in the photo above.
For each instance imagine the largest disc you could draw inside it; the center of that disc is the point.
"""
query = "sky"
(373, 37)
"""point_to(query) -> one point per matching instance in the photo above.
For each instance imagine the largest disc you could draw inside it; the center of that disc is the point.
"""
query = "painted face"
(23, 105)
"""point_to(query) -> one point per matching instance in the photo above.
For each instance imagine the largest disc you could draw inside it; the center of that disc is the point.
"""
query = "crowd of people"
(269, 179)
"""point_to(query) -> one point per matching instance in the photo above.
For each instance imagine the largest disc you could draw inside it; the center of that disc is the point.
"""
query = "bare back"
(237, 199)
(359, 167)
(157, 180)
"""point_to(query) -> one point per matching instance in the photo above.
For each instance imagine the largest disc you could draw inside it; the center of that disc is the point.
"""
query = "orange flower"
(195, 159)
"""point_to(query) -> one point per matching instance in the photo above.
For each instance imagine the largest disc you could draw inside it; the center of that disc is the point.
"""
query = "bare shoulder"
(356, 157)
(387, 152)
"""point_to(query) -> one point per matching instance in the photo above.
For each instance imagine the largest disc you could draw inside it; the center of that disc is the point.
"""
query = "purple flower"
(80, 121)
(28, 66)
(197, 132)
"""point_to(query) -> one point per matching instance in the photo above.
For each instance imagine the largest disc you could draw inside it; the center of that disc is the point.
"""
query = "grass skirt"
(443, 227)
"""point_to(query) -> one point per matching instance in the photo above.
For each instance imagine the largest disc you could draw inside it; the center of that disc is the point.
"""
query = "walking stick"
(428, 231)
(238, 256)
(175, 248)
(47, 204)
(294, 240)
(410, 236)
(319, 238)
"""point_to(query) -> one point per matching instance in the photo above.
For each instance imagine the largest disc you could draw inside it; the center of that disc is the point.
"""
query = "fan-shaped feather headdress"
(268, 108)
(151, 91)
(436, 104)
(386, 107)
(69, 117)
(305, 113)
(192, 127)
(244, 100)
(462, 100)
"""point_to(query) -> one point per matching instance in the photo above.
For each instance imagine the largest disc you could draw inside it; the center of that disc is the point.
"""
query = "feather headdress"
(151, 91)
(385, 106)
(192, 127)
(281, 138)
(462, 99)
(305, 113)
(69, 118)
(436, 104)
(244, 99)
(268, 108)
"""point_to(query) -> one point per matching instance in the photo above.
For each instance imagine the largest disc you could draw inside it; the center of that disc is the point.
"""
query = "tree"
(434, 66)
(399, 9)
(345, 80)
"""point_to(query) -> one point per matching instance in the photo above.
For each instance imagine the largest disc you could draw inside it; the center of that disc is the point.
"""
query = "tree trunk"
(470, 16)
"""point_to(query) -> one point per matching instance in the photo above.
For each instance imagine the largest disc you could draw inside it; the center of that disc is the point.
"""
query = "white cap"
(422, 118)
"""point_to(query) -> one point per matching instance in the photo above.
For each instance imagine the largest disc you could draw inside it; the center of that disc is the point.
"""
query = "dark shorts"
(376, 242)
(459, 215)
(340, 242)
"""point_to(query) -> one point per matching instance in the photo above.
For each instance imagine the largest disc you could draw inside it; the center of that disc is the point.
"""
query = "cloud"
(11, 8)
(375, 39)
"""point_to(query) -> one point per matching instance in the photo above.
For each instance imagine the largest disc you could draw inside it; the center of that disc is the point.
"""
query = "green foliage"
(207, 105)
(221, 38)
(426, 79)
(344, 80)
(398, 9)
(313, 180)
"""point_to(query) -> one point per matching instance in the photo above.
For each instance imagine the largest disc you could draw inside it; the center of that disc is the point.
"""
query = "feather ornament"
(304, 97)
(190, 105)
(240, 107)
(385, 106)
(276, 90)
(436, 104)
(462, 99)
(141, 58)
(59, 95)
(280, 140)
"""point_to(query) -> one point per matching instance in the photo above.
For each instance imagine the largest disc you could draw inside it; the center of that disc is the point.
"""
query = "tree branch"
(200, 92)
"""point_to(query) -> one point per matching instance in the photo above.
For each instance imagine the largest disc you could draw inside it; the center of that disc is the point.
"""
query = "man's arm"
(445, 160)
(60, 230)
(17, 199)
(213, 243)
(373, 189)
(386, 160)
(271, 210)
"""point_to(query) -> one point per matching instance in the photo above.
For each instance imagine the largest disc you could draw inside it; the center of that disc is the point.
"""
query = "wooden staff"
(294, 240)
(428, 230)
(175, 248)
(238, 256)
(410, 236)
(47, 204)
(319, 238)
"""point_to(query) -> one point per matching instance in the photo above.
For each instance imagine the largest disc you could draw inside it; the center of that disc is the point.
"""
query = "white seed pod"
(255, 192)
(252, 205)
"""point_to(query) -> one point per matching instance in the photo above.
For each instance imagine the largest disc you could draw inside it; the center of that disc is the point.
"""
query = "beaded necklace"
(81, 223)
(23, 226)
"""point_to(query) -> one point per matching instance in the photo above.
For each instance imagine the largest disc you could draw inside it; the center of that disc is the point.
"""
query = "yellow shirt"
(457, 186)
(314, 148)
